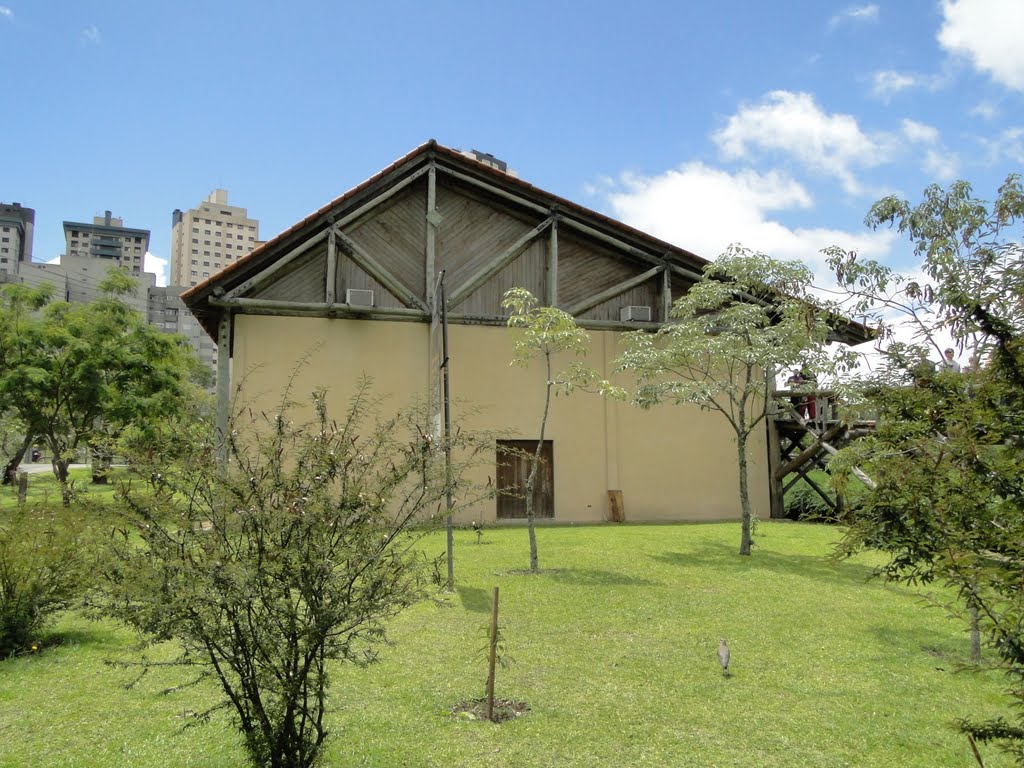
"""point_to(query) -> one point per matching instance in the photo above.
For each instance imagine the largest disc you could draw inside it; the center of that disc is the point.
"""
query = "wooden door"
(513, 470)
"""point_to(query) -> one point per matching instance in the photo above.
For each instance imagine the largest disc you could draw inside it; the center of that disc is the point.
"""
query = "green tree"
(546, 332)
(78, 374)
(291, 556)
(748, 316)
(948, 455)
(19, 307)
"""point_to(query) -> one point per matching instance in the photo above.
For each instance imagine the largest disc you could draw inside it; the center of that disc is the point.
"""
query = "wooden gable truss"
(485, 236)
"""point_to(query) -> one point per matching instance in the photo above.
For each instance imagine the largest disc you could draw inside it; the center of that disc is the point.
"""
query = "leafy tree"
(292, 555)
(748, 316)
(77, 374)
(546, 333)
(19, 307)
(948, 454)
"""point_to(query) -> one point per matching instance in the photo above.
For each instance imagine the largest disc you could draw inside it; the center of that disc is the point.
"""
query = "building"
(209, 237)
(77, 279)
(350, 290)
(16, 226)
(108, 240)
(168, 312)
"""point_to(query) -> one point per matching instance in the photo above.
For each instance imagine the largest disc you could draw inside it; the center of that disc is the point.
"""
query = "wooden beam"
(858, 473)
(621, 245)
(689, 274)
(599, 298)
(378, 273)
(317, 309)
(498, 191)
(223, 384)
(321, 235)
(552, 271)
(431, 242)
(368, 206)
(807, 453)
(282, 262)
(802, 473)
(491, 268)
(332, 267)
(666, 294)
(776, 493)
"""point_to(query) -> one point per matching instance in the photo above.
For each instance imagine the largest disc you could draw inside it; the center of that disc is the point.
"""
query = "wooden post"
(22, 487)
(776, 491)
(666, 294)
(492, 656)
(223, 384)
(616, 507)
(552, 285)
(332, 267)
(431, 241)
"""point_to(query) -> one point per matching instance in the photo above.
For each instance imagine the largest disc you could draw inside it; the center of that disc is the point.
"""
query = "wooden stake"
(974, 749)
(22, 487)
(493, 656)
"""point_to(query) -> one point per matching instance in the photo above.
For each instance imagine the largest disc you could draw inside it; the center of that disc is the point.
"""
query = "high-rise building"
(209, 237)
(107, 238)
(16, 225)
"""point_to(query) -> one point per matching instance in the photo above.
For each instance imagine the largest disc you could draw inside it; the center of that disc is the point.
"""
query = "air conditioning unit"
(635, 314)
(358, 297)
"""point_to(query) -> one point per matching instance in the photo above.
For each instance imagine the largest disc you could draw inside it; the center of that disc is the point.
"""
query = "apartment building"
(16, 226)
(109, 240)
(208, 237)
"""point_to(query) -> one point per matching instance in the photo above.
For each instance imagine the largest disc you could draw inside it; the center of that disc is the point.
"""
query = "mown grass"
(43, 488)
(614, 648)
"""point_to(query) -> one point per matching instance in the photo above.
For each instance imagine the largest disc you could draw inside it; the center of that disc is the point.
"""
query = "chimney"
(106, 218)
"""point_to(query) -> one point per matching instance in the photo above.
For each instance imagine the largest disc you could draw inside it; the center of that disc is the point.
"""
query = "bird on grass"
(723, 656)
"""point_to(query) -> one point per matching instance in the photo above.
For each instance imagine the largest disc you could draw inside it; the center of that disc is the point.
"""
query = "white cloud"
(793, 124)
(941, 164)
(988, 34)
(704, 209)
(858, 13)
(938, 162)
(1008, 145)
(91, 36)
(888, 82)
(919, 132)
(986, 110)
(156, 265)
(5, 11)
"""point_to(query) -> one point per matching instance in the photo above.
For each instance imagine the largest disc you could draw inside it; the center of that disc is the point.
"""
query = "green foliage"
(948, 455)
(748, 316)
(293, 555)
(42, 570)
(78, 374)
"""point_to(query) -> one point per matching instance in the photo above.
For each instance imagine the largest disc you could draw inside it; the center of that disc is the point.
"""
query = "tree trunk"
(101, 461)
(60, 471)
(975, 635)
(11, 470)
(741, 451)
(531, 481)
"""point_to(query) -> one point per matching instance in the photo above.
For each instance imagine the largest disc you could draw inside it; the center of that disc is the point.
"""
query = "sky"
(772, 124)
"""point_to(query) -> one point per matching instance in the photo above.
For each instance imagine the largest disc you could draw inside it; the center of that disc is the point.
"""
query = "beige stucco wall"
(672, 462)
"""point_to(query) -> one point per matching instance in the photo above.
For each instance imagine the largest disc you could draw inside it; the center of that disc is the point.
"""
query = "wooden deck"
(804, 435)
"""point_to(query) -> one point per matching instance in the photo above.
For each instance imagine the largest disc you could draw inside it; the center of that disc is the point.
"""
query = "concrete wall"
(672, 463)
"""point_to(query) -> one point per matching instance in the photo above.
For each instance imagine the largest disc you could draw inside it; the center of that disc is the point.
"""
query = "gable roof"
(629, 243)
(197, 297)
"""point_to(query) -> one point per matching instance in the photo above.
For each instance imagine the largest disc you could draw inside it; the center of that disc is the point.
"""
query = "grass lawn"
(614, 649)
(43, 488)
